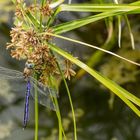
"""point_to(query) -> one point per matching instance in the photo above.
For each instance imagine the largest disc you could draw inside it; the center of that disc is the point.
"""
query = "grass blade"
(119, 91)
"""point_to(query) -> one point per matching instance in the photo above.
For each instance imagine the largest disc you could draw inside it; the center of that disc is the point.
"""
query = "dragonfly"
(45, 93)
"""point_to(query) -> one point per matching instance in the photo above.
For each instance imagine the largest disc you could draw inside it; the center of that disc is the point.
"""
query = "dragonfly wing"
(45, 90)
(6, 73)
(44, 95)
(43, 99)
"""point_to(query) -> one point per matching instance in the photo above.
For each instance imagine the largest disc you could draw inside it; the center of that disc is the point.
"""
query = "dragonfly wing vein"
(43, 99)
(6, 73)
(46, 91)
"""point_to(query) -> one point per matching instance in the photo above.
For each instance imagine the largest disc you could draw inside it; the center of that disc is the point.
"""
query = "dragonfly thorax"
(27, 72)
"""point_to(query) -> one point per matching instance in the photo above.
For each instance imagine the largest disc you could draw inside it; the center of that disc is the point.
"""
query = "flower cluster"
(31, 45)
(44, 10)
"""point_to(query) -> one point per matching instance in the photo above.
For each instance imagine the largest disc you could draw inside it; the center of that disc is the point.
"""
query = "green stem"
(98, 55)
(35, 3)
(42, 4)
(59, 119)
(53, 16)
(130, 32)
(71, 104)
(72, 109)
(36, 113)
(61, 130)
(92, 46)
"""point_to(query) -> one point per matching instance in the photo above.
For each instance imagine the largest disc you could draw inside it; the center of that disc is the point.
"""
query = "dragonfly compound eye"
(29, 65)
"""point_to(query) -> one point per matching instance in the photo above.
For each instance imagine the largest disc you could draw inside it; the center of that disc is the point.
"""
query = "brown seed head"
(46, 36)
(68, 70)
(46, 10)
(16, 32)
(31, 37)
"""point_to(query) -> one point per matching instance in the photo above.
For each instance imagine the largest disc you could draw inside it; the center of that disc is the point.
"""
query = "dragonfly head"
(29, 65)
(28, 69)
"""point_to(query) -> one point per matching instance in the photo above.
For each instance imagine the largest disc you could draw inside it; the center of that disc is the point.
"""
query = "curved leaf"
(115, 88)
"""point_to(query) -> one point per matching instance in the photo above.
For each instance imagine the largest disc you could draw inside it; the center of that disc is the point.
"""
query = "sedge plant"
(32, 40)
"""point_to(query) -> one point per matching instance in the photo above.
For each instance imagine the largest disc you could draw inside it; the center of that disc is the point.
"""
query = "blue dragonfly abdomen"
(26, 109)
